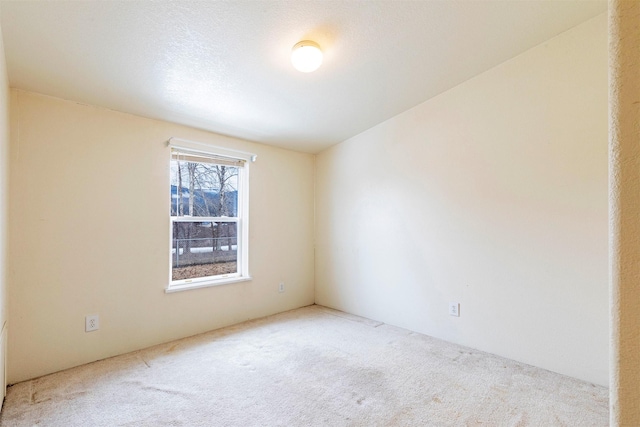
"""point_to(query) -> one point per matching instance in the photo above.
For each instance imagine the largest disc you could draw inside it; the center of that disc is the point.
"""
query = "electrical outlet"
(454, 309)
(281, 287)
(91, 323)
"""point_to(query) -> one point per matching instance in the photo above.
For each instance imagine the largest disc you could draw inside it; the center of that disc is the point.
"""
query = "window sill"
(205, 284)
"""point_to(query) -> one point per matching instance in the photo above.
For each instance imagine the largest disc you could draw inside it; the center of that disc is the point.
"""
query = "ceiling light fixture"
(306, 56)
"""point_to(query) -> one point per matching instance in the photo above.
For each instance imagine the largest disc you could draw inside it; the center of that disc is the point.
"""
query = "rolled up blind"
(207, 153)
(186, 155)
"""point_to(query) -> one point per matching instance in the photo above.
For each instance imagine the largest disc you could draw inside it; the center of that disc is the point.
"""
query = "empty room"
(320, 213)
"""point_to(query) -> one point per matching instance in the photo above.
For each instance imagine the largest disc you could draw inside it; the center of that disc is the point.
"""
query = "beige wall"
(4, 202)
(89, 233)
(492, 194)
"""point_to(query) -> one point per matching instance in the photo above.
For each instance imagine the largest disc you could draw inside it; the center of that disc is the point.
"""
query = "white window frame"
(242, 218)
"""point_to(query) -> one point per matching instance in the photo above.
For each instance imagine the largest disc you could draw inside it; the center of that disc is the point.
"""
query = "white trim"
(206, 284)
(243, 225)
(204, 148)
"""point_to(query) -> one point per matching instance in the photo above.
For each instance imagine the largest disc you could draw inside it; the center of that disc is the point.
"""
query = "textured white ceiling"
(224, 65)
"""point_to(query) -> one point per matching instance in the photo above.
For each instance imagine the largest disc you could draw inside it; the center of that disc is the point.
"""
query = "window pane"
(201, 189)
(203, 249)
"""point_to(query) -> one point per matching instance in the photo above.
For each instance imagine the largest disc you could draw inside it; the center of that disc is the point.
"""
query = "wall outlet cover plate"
(91, 323)
(454, 309)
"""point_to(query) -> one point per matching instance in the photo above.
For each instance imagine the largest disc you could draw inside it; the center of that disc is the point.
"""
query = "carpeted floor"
(307, 367)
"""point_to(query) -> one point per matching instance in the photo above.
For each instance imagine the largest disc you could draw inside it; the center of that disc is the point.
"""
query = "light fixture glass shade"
(306, 56)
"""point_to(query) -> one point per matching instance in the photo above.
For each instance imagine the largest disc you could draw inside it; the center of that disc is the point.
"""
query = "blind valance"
(198, 152)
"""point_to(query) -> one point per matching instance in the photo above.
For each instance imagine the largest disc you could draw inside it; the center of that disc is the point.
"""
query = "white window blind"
(185, 155)
(206, 151)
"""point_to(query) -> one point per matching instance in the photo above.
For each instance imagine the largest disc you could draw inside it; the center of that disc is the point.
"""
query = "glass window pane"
(201, 189)
(203, 249)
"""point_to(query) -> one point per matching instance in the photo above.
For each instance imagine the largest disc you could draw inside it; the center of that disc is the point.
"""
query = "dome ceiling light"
(306, 56)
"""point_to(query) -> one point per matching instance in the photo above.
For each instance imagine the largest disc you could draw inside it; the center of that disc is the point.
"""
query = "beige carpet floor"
(307, 367)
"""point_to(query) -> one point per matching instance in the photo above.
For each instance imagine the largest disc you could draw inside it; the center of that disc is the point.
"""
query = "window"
(209, 241)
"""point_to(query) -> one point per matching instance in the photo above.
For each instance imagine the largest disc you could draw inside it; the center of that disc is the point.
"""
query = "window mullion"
(204, 219)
